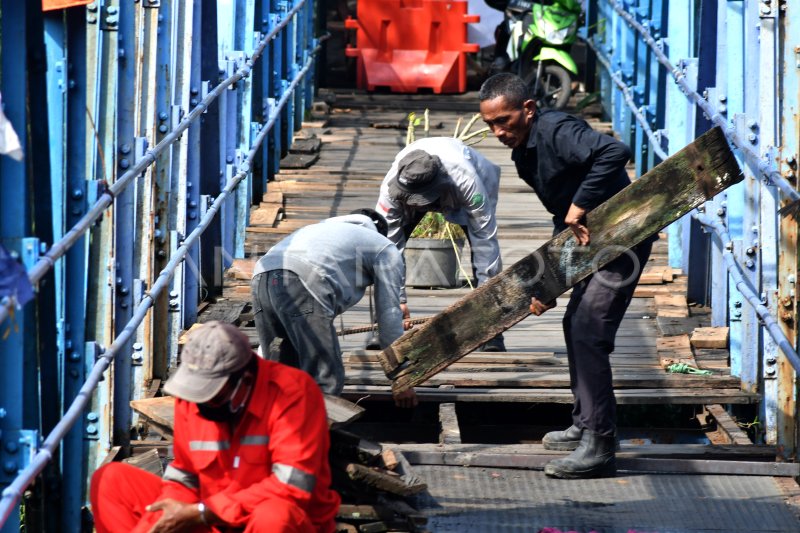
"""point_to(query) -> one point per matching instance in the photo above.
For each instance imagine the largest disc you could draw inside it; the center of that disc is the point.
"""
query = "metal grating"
(500, 500)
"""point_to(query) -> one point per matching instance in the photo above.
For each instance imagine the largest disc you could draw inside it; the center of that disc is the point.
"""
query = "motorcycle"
(534, 41)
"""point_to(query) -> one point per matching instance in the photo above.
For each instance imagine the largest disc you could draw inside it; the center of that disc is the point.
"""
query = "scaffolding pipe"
(12, 494)
(763, 165)
(47, 261)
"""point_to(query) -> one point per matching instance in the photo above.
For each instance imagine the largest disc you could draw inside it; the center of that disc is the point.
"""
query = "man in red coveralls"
(251, 450)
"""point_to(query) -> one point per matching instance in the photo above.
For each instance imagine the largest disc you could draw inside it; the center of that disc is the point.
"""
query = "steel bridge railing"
(716, 226)
(59, 248)
(12, 494)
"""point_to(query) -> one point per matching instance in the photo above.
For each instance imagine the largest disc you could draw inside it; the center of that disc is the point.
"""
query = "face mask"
(230, 409)
(216, 414)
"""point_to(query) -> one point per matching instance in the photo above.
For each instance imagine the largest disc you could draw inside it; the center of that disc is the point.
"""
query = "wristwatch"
(201, 508)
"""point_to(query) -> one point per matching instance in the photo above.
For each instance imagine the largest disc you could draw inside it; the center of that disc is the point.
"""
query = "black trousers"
(593, 315)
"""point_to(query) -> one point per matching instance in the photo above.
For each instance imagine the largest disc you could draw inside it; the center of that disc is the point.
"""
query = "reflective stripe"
(294, 477)
(253, 440)
(187, 479)
(208, 445)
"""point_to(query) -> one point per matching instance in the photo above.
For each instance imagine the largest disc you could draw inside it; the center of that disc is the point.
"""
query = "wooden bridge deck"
(358, 142)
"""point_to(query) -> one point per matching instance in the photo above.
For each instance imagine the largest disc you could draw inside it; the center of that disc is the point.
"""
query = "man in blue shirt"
(317, 273)
(573, 169)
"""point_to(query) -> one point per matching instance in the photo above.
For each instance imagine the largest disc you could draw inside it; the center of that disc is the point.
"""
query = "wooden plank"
(227, 311)
(746, 452)
(639, 396)
(242, 269)
(710, 337)
(673, 188)
(671, 305)
(676, 349)
(502, 459)
(305, 146)
(299, 160)
(160, 412)
(383, 481)
(272, 197)
(728, 426)
(669, 326)
(112, 455)
(149, 461)
(638, 377)
(266, 215)
(340, 411)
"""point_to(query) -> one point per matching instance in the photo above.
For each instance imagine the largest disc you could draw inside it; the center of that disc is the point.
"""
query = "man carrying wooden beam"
(574, 169)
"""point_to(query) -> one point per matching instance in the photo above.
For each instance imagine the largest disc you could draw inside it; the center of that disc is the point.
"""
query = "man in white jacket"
(444, 175)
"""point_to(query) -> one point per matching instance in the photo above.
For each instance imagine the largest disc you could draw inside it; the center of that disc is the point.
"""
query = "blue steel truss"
(113, 236)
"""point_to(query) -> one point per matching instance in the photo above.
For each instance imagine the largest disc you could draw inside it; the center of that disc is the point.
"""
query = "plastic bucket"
(432, 262)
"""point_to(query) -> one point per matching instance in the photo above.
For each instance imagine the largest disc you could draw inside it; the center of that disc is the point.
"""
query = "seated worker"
(444, 175)
(250, 450)
(316, 273)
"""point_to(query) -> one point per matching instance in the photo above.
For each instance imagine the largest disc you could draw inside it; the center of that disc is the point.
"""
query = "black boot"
(495, 344)
(594, 457)
(566, 440)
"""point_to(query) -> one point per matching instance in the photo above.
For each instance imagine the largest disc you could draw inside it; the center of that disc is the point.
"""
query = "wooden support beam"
(676, 349)
(160, 412)
(670, 190)
(727, 425)
(471, 455)
(710, 337)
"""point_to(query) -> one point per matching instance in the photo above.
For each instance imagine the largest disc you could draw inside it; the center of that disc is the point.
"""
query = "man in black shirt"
(573, 169)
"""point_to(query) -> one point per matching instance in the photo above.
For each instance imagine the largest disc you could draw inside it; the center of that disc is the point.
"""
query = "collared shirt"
(336, 261)
(279, 449)
(470, 199)
(567, 162)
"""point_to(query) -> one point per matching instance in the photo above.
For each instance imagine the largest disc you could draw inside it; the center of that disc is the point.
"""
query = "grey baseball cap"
(211, 354)
(419, 178)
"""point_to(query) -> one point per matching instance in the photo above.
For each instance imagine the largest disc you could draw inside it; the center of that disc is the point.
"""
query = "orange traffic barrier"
(407, 45)
(52, 5)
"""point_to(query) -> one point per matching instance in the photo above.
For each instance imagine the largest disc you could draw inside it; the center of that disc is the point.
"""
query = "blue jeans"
(295, 329)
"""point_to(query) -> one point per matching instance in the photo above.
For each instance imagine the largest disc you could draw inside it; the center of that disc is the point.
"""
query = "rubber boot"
(594, 457)
(495, 344)
(566, 440)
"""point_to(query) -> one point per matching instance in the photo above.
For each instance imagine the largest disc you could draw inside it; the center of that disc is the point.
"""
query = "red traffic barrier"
(407, 45)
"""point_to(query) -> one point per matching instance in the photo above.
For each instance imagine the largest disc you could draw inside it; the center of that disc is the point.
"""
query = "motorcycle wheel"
(554, 89)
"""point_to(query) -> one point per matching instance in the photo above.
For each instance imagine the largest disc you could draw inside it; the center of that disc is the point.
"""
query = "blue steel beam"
(789, 135)
(13, 492)
(15, 225)
(123, 30)
(74, 451)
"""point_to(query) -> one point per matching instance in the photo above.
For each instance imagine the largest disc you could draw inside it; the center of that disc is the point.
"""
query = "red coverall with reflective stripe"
(276, 458)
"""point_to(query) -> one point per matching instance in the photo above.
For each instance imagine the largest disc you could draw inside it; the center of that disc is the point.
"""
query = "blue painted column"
(680, 115)
(124, 211)
(192, 275)
(15, 225)
(75, 450)
(277, 84)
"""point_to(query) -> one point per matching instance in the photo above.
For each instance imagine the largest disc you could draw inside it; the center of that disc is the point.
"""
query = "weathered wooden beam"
(499, 458)
(160, 412)
(670, 190)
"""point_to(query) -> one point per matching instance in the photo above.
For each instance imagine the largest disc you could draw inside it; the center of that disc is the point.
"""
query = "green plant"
(434, 226)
